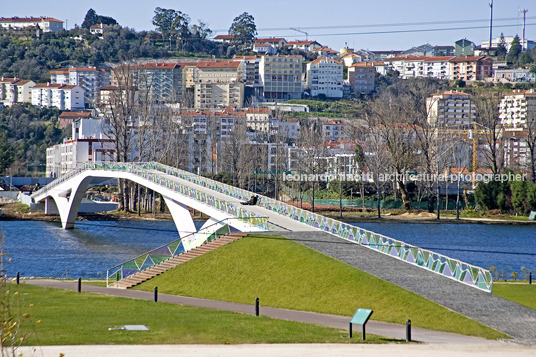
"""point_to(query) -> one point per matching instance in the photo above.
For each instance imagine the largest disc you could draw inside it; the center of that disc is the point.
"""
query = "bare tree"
(377, 160)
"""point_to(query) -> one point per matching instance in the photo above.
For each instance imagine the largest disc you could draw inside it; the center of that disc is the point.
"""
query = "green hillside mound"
(285, 274)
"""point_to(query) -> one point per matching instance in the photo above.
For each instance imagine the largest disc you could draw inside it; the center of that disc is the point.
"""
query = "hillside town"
(460, 107)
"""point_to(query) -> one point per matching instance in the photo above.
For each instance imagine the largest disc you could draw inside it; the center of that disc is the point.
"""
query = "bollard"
(156, 294)
(350, 331)
(530, 278)
(18, 278)
(79, 284)
(257, 312)
(408, 330)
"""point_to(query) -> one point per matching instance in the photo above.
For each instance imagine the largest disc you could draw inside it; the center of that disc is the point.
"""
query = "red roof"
(218, 64)
(224, 37)
(28, 19)
(70, 115)
(258, 110)
(48, 85)
(8, 80)
(269, 40)
(325, 49)
(439, 59)
(22, 82)
(302, 43)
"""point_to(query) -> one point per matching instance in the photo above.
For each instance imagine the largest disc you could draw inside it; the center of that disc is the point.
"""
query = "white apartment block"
(89, 79)
(450, 108)
(362, 77)
(14, 90)
(517, 113)
(281, 77)
(61, 96)
(527, 45)
(437, 67)
(218, 84)
(46, 24)
(334, 130)
(87, 144)
(325, 77)
(258, 119)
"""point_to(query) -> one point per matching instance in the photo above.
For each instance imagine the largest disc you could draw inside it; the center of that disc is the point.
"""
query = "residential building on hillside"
(258, 119)
(307, 46)
(381, 55)
(264, 48)
(252, 80)
(163, 82)
(517, 114)
(67, 118)
(277, 42)
(281, 77)
(325, 52)
(334, 130)
(362, 77)
(437, 67)
(219, 84)
(426, 50)
(350, 59)
(495, 42)
(325, 77)
(476, 68)
(87, 144)
(61, 96)
(445, 50)
(90, 79)
(224, 38)
(464, 47)
(514, 75)
(14, 90)
(289, 128)
(46, 24)
(450, 109)
(97, 29)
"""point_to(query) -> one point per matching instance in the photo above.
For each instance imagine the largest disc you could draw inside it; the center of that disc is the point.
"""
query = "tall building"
(450, 108)
(14, 90)
(475, 68)
(89, 79)
(517, 114)
(61, 96)
(362, 77)
(219, 84)
(281, 77)
(325, 77)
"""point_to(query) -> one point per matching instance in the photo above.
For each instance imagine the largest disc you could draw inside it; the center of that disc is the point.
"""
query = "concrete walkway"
(286, 350)
(501, 314)
(341, 322)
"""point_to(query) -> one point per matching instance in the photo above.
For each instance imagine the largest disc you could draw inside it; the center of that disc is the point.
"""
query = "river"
(44, 249)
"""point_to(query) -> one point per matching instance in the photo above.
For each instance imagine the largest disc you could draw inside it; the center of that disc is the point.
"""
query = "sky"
(372, 25)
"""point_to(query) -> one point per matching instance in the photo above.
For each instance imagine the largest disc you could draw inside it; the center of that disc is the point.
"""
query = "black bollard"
(530, 278)
(18, 278)
(257, 310)
(350, 331)
(79, 284)
(408, 330)
(156, 294)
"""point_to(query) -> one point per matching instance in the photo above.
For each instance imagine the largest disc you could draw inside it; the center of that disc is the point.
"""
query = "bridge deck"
(276, 221)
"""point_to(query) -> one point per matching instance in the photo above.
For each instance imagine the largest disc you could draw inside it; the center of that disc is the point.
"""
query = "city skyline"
(357, 24)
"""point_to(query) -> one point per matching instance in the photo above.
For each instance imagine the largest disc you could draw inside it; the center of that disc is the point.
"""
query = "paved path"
(341, 322)
(501, 314)
(284, 350)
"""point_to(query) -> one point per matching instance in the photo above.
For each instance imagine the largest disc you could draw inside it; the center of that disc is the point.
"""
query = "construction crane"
(298, 30)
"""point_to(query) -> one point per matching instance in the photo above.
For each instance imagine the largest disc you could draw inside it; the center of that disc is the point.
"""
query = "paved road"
(373, 327)
(501, 314)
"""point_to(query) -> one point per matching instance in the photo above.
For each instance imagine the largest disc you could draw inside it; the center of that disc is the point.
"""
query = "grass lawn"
(71, 318)
(522, 293)
(285, 274)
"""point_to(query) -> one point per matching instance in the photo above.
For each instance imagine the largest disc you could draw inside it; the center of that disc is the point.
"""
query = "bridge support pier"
(181, 216)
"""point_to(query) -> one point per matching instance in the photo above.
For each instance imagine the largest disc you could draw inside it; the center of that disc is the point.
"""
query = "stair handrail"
(174, 241)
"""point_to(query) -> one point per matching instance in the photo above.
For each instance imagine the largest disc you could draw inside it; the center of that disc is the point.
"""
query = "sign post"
(361, 317)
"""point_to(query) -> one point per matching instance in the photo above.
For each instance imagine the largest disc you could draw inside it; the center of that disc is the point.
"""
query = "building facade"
(362, 77)
(46, 24)
(280, 77)
(325, 77)
(14, 90)
(450, 109)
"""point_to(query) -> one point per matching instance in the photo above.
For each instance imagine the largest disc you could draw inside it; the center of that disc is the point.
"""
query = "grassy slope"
(522, 293)
(285, 274)
(67, 317)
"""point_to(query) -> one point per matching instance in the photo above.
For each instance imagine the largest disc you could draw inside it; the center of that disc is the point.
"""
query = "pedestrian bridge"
(181, 189)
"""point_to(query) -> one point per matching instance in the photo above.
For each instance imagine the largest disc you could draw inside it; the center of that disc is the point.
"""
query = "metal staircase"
(164, 266)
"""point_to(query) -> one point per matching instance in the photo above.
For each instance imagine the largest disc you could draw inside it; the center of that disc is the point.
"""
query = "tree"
(171, 23)
(501, 48)
(6, 153)
(487, 116)
(243, 28)
(201, 30)
(515, 50)
(90, 19)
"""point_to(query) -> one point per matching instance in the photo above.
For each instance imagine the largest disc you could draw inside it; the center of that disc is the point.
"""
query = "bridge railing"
(452, 268)
(167, 251)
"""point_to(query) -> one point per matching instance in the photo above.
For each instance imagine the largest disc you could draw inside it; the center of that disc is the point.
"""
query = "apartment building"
(259, 119)
(334, 130)
(362, 77)
(46, 24)
(474, 68)
(218, 84)
(87, 144)
(67, 118)
(161, 82)
(90, 79)
(307, 46)
(325, 52)
(61, 96)
(277, 42)
(281, 77)
(517, 114)
(325, 77)
(14, 90)
(450, 109)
